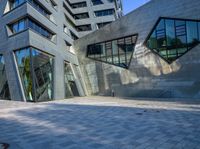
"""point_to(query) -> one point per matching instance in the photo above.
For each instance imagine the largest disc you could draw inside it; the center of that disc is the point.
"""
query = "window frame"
(145, 44)
(111, 40)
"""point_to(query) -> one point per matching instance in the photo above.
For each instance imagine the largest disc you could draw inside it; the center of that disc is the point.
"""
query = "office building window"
(79, 5)
(39, 7)
(36, 71)
(15, 3)
(28, 23)
(172, 38)
(4, 89)
(73, 35)
(70, 84)
(83, 28)
(81, 16)
(101, 13)
(100, 25)
(117, 52)
(97, 2)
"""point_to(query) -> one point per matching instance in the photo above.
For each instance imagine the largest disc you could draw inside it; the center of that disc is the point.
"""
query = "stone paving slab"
(102, 123)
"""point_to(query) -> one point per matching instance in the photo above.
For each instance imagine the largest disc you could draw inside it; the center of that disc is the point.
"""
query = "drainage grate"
(4, 146)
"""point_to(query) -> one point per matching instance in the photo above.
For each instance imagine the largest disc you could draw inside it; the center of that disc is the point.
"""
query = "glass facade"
(4, 89)
(38, 6)
(36, 71)
(81, 16)
(102, 24)
(83, 28)
(97, 2)
(172, 38)
(27, 23)
(101, 13)
(117, 52)
(77, 5)
(16, 3)
(70, 85)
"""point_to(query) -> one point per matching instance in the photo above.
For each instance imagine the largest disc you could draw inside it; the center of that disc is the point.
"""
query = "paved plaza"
(100, 123)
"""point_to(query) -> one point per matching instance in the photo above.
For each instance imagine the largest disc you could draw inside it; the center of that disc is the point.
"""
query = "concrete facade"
(59, 47)
(148, 75)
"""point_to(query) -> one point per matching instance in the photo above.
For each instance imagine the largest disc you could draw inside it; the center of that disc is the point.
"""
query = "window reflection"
(4, 89)
(36, 70)
(28, 23)
(70, 84)
(117, 52)
(172, 38)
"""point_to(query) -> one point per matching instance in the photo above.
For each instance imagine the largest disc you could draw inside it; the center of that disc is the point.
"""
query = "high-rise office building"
(37, 62)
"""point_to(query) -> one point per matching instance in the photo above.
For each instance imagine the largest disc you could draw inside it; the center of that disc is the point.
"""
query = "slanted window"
(101, 13)
(36, 72)
(4, 89)
(117, 52)
(83, 28)
(172, 38)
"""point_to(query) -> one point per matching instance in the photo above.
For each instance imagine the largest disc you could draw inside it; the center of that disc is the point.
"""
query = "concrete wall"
(148, 75)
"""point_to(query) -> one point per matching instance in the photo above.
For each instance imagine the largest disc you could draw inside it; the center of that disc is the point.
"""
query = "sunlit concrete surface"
(100, 122)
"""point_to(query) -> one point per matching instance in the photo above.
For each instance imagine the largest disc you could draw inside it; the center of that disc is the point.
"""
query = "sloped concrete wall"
(148, 75)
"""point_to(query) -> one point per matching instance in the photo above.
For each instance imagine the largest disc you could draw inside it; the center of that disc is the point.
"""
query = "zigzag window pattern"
(117, 52)
(172, 38)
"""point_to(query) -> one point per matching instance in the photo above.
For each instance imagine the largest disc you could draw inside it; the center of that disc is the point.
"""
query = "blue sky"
(130, 5)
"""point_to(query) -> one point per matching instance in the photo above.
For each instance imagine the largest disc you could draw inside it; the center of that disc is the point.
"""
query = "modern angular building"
(152, 52)
(37, 62)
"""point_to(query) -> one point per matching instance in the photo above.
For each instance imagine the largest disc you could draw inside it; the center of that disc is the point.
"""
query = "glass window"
(83, 28)
(21, 25)
(104, 12)
(70, 84)
(4, 89)
(26, 23)
(36, 71)
(38, 6)
(172, 38)
(81, 16)
(170, 33)
(192, 33)
(97, 2)
(117, 52)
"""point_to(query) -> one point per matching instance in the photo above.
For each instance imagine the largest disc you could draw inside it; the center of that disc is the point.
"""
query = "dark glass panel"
(192, 33)
(4, 89)
(199, 30)
(43, 75)
(36, 71)
(152, 42)
(122, 52)
(108, 47)
(174, 39)
(24, 66)
(117, 52)
(70, 84)
(170, 33)
(161, 25)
